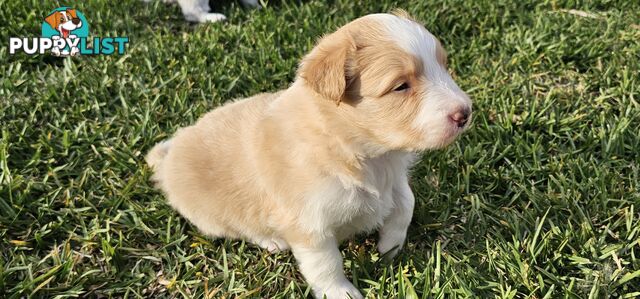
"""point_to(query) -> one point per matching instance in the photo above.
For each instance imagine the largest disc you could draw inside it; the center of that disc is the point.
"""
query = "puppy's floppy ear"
(72, 13)
(328, 68)
(53, 20)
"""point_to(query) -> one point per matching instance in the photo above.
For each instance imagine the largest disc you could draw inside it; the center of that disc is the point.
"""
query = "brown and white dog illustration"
(327, 158)
(64, 22)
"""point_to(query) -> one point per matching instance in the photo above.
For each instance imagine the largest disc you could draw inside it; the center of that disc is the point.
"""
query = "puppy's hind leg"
(273, 244)
(198, 11)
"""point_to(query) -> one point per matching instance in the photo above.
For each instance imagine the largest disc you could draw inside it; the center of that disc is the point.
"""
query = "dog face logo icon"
(65, 32)
(67, 24)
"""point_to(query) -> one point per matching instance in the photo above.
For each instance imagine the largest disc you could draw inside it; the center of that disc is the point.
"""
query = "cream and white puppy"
(327, 158)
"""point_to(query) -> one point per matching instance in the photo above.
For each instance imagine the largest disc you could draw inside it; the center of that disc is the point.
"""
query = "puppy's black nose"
(75, 21)
(461, 116)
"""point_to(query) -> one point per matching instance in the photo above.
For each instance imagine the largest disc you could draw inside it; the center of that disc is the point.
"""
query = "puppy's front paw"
(211, 17)
(343, 291)
(390, 243)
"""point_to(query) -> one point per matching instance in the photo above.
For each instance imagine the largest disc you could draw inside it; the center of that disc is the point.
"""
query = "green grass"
(540, 199)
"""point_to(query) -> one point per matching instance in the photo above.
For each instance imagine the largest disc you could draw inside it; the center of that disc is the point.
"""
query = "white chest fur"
(344, 207)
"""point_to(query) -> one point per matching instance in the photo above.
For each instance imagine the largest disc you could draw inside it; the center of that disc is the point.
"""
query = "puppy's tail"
(155, 157)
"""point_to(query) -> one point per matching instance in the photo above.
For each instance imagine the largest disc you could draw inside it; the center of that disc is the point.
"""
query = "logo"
(65, 32)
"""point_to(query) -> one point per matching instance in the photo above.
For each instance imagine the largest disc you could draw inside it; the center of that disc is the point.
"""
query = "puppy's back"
(204, 169)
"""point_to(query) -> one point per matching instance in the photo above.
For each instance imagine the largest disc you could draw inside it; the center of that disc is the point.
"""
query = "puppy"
(325, 159)
(64, 22)
(198, 10)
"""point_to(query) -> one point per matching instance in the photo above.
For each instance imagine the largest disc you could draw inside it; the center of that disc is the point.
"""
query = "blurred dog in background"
(199, 10)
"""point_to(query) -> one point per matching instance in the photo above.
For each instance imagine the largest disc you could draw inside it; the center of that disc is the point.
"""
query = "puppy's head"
(64, 21)
(388, 77)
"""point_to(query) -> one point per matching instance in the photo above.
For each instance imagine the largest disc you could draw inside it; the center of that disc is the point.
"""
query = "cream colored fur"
(325, 159)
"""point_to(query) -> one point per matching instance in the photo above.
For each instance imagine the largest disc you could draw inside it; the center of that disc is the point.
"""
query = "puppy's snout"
(461, 116)
(75, 21)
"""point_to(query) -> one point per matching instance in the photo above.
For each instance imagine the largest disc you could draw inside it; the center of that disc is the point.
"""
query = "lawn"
(539, 199)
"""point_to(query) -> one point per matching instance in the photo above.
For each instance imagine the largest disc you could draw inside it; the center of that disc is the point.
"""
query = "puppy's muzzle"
(461, 117)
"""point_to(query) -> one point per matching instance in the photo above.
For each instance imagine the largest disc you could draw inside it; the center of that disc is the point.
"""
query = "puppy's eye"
(402, 87)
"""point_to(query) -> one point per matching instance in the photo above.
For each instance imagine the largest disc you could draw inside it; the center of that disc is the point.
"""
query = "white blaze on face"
(68, 24)
(443, 96)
